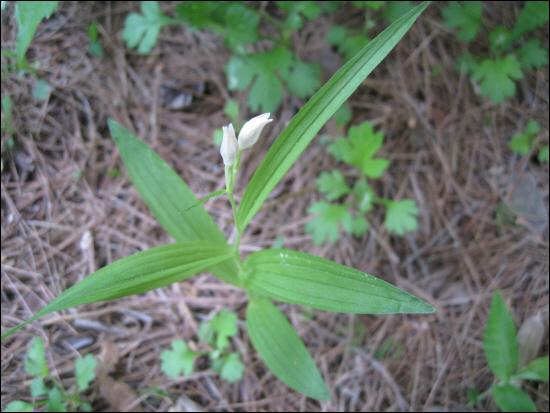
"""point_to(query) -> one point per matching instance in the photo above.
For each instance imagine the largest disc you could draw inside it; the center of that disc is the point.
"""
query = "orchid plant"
(272, 274)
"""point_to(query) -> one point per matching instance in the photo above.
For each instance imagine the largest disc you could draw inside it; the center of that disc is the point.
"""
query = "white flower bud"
(250, 132)
(229, 146)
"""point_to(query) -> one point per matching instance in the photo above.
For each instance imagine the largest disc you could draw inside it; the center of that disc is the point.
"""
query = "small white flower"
(250, 132)
(229, 146)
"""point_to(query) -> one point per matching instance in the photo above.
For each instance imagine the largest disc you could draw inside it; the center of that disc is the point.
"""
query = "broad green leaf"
(511, 399)
(302, 79)
(522, 142)
(142, 30)
(178, 361)
(359, 148)
(401, 216)
(41, 90)
(325, 226)
(543, 155)
(534, 14)
(138, 273)
(298, 278)
(168, 196)
(85, 371)
(321, 107)
(18, 406)
(38, 387)
(266, 93)
(499, 341)
(35, 362)
(232, 368)
(28, 15)
(282, 350)
(346, 42)
(333, 185)
(464, 16)
(205, 198)
(56, 401)
(532, 55)
(217, 331)
(536, 370)
(496, 77)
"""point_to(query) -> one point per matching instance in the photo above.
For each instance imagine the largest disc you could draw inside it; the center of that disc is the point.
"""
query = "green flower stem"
(230, 178)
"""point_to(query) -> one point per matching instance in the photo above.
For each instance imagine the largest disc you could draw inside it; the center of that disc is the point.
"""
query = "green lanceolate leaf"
(168, 197)
(298, 278)
(29, 14)
(535, 370)
(138, 273)
(511, 399)
(313, 115)
(499, 341)
(280, 347)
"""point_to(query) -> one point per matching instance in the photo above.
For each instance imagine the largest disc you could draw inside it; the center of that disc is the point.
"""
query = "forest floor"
(68, 208)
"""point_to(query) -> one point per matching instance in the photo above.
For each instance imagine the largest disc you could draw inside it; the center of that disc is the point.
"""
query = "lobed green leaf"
(310, 119)
(298, 278)
(280, 347)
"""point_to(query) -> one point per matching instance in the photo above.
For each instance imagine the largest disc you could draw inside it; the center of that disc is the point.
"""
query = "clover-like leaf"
(401, 216)
(142, 30)
(497, 77)
(522, 142)
(178, 361)
(532, 55)
(35, 362)
(232, 368)
(333, 185)
(85, 371)
(359, 148)
(219, 329)
(325, 227)
(464, 16)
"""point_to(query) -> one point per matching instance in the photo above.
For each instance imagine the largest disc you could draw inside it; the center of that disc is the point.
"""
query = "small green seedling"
(511, 51)
(46, 391)
(524, 142)
(214, 335)
(500, 344)
(270, 274)
(94, 46)
(358, 150)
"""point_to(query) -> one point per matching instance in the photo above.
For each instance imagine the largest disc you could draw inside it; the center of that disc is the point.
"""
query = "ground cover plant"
(279, 274)
(501, 345)
(46, 391)
(357, 150)
(512, 51)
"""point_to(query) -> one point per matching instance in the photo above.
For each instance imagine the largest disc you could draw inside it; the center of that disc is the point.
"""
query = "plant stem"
(230, 179)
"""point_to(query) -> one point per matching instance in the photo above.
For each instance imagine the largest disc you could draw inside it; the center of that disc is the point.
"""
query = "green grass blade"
(168, 197)
(297, 278)
(282, 350)
(316, 112)
(138, 273)
(499, 341)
